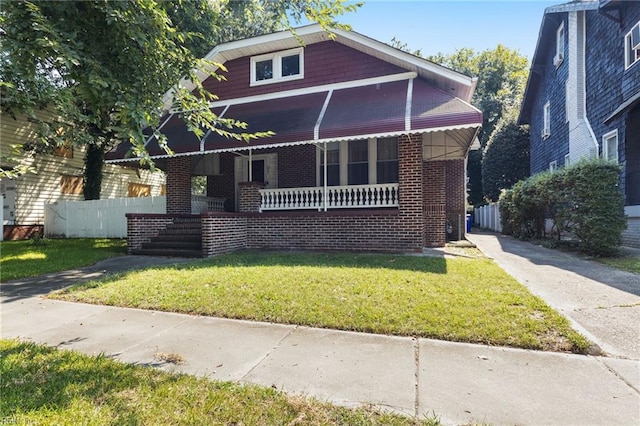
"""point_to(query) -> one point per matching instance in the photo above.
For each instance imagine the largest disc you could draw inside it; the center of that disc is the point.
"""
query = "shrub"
(584, 201)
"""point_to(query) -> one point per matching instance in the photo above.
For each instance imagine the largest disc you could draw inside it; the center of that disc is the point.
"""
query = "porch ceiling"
(382, 109)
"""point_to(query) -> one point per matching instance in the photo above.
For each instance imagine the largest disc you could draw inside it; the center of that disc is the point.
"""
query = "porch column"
(435, 203)
(249, 197)
(410, 190)
(179, 185)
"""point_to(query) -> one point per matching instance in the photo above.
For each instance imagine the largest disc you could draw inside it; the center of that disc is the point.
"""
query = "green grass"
(625, 263)
(22, 259)
(46, 386)
(469, 300)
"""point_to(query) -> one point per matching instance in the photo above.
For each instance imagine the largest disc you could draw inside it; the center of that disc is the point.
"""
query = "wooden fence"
(96, 218)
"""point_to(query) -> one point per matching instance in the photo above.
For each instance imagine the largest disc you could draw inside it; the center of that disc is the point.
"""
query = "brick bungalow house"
(368, 154)
(583, 94)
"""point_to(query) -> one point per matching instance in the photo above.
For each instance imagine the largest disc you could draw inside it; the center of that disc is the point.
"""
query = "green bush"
(583, 201)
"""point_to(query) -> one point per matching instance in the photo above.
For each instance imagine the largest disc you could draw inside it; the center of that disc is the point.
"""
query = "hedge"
(584, 202)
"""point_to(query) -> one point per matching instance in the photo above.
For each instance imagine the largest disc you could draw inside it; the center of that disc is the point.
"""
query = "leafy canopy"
(105, 65)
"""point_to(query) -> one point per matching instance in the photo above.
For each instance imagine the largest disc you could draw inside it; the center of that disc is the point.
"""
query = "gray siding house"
(583, 94)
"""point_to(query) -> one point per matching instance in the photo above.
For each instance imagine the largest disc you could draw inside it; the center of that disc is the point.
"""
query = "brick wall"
(223, 185)
(223, 233)
(372, 230)
(297, 166)
(179, 185)
(142, 227)
(410, 188)
(455, 197)
(435, 202)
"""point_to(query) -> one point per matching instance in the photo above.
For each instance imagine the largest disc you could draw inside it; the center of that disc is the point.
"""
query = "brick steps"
(183, 238)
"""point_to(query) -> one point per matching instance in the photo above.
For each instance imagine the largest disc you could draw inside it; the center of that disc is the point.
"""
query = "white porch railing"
(202, 204)
(338, 197)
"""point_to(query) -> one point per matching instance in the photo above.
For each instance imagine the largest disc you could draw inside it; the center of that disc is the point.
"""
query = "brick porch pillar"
(410, 189)
(435, 213)
(249, 197)
(179, 185)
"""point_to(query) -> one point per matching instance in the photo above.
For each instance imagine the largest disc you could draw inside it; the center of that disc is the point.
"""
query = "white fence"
(488, 217)
(338, 197)
(97, 218)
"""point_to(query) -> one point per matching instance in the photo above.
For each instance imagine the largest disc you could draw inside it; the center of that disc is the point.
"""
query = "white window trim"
(553, 166)
(605, 145)
(627, 46)
(276, 57)
(559, 57)
(567, 160)
(546, 120)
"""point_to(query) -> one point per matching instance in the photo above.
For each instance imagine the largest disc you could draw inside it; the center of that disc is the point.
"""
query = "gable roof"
(450, 81)
(425, 97)
(546, 36)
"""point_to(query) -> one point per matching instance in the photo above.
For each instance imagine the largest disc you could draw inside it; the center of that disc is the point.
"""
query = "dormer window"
(559, 57)
(277, 67)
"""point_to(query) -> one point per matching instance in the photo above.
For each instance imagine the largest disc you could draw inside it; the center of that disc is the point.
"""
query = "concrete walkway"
(460, 383)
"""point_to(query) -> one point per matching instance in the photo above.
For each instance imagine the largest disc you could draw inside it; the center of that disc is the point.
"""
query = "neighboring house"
(55, 177)
(583, 94)
(368, 154)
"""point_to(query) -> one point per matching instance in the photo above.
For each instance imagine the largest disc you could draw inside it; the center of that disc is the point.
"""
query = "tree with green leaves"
(104, 66)
(502, 75)
(506, 156)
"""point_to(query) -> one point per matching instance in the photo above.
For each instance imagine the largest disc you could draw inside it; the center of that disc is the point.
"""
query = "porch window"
(632, 46)
(387, 161)
(276, 67)
(358, 166)
(333, 164)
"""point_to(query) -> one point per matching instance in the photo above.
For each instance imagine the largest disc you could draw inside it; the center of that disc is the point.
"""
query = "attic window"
(277, 67)
(632, 46)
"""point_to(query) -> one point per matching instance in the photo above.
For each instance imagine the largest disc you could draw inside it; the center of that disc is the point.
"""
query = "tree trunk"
(93, 164)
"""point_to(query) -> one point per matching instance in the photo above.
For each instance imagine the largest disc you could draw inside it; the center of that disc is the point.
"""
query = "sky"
(445, 26)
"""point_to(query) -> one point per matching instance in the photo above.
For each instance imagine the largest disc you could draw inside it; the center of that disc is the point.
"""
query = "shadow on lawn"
(250, 258)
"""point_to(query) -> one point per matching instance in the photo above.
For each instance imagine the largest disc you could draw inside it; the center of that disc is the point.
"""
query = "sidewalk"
(460, 383)
(603, 303)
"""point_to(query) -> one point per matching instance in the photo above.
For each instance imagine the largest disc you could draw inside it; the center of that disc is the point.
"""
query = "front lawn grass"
(22, 259)
(468, 300)
(46, 386)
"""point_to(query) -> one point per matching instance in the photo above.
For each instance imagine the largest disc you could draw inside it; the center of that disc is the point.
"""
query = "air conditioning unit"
(557, 60)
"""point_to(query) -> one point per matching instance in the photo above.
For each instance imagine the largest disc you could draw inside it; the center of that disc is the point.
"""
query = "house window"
(64, 151)
(333, 164)
(387, 160)
(275, 67)
(558, 58)
(553, 166)
(71, 185)
(358, 165)
(567, 160)
(546, 120)
(138, 190)
(610, 146)
(360, 162)
(632, 46)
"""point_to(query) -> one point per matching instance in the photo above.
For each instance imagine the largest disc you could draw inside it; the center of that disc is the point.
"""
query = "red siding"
(324, 63)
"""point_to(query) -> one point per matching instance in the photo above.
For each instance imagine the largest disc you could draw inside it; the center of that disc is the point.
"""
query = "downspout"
(250, 166)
